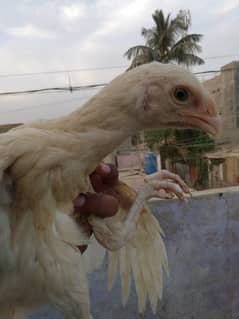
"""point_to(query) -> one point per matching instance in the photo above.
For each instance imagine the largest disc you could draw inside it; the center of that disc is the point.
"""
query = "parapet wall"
(202, 239)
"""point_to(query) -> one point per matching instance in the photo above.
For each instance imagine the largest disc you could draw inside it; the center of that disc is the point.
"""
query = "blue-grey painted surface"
(151, 165)
(202, 239)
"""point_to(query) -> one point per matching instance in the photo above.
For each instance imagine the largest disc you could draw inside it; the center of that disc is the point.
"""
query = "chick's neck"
(102, 124)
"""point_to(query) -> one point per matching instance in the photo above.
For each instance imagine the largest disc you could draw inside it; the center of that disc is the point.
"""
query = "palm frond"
(187, 48)
(159, 20)
(188, 59)
(140, 55)
(183, 20)
(138, 50)
(192, 38)
(147, 33)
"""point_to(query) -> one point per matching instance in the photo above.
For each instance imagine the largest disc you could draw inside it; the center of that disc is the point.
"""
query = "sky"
(91, 37)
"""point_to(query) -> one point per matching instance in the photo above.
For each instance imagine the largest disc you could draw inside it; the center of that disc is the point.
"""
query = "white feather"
(144, 257)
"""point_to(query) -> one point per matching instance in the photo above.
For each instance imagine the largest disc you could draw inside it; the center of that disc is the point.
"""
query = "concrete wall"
(130, 160)
(225, 90)
(202, 239)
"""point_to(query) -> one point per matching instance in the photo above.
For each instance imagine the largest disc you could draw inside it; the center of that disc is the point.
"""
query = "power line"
(194, 144)
(45, 104)
(90, 86)
(96, 68)
(221, 56)
(198, 142)
(216, 147)
(64, 71)
(53, 89)
(215, 71)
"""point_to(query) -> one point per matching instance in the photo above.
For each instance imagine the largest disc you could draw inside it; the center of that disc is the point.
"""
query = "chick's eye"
(181, 95)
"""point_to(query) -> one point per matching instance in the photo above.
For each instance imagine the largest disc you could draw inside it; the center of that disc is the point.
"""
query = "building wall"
(225, 90)
(225, 174)
(130, 160)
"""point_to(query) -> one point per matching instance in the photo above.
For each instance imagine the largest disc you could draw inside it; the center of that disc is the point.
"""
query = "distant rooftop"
(6, 127)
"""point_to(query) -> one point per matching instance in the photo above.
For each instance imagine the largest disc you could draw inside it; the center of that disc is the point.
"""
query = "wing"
(40, 243)
(143, 258)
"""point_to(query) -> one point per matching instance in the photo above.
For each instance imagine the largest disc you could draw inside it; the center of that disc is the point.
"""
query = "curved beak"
(211, 125)
(206, 119)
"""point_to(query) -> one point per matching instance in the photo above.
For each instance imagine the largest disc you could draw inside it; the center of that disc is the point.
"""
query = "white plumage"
(45, 165)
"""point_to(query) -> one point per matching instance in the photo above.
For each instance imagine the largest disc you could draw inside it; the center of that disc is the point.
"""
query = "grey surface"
(202, 239)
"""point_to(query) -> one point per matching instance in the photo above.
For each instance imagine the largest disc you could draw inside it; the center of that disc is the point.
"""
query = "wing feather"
(138, 280)
(144, 258)
(125, 274)
(112, 268)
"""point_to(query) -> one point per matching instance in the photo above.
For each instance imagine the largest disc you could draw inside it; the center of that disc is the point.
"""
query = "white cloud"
(30, 31)
(121, 18)
(227, 6)
(74, 11)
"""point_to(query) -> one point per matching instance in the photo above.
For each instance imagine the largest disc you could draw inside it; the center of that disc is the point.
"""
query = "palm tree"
(167, 41)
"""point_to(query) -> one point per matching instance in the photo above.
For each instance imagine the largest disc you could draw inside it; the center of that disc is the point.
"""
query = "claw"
(166, 175)
(114, 235)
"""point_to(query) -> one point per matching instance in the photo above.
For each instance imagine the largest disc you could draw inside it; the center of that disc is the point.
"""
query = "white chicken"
(45, 165)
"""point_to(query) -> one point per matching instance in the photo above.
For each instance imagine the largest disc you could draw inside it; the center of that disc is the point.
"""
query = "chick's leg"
(113, 234)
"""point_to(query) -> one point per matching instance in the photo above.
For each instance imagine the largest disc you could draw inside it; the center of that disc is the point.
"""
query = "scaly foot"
(113, 234)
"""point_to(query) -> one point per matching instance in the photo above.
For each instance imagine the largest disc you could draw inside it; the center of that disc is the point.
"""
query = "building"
(6, 127)
(224, 162)
(225, 89)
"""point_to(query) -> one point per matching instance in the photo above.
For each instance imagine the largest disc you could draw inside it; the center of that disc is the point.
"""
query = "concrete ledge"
(202, 239)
